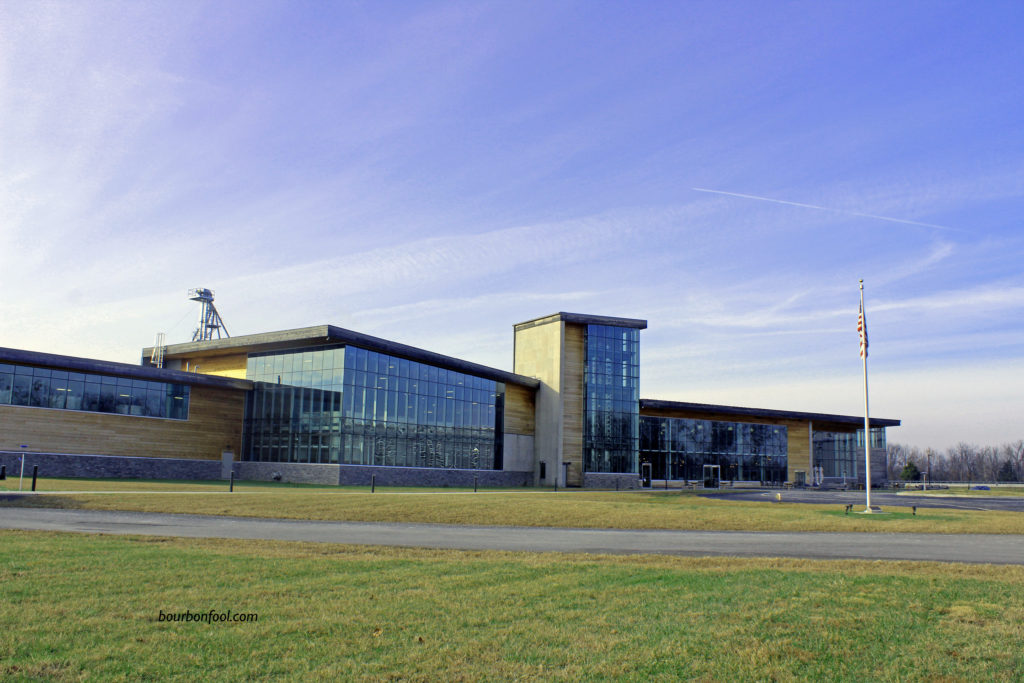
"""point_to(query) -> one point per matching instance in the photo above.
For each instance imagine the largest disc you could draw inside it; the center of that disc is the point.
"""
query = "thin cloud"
(890, 219)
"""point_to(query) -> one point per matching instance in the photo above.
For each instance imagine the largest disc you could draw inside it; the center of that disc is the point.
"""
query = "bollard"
(3, 472)
(231, 486)
(35, 473)
(474, 484)
(373, 483)
(914, 510)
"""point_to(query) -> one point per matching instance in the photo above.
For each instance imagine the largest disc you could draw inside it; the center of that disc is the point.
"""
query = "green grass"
(520, 507)
(1015, 490)
(86, 607)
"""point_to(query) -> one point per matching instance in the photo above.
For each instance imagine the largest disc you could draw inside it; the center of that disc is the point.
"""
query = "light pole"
(22, 477)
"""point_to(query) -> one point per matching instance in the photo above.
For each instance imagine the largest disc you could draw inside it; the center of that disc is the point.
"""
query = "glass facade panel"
(23, 385)
(678, 448)
(611, 385)
(361, 407)
(841, 454)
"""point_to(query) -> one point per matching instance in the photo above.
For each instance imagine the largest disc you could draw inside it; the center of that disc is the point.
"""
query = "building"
(328, 405)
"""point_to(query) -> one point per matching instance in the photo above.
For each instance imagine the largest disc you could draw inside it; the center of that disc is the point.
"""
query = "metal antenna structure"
(209, 319)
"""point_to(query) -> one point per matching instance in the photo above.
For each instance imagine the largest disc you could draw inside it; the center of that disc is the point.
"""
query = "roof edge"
(657, 404)
(583, 319)
(331, 334)
(74, 363)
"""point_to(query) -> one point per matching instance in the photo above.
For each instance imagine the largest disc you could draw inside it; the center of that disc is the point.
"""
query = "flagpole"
(867, 423)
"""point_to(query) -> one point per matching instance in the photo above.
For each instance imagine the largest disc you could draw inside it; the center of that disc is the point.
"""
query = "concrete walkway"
(980, 548)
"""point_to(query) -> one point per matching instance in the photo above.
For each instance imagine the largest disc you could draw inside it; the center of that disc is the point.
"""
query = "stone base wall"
(363, 475)
(109, 466)
(123, 467)
(292, 472)
(602, 480)
(359, 475)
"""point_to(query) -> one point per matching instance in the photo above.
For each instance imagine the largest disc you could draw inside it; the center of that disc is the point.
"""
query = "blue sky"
(435, 172)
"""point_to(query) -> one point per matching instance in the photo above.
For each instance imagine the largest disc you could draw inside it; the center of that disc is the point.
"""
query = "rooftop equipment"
(209, 319)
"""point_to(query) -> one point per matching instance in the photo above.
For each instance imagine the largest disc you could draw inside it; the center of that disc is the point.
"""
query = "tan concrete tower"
(552, 349)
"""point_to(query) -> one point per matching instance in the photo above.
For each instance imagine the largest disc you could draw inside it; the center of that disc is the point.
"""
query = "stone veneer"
(360, 475)
(120, 467)
(604, 480)
(109, 466)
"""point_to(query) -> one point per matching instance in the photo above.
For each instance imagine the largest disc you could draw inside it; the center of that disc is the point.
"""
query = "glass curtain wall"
(841, 454)
(678, 448)
(23, 385)
(367, 408)
(611, 380)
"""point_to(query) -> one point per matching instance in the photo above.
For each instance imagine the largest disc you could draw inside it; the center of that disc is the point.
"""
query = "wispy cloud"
(846, 212)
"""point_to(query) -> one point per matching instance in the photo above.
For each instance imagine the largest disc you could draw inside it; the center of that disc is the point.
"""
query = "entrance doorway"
(712, 476)
(645, 475)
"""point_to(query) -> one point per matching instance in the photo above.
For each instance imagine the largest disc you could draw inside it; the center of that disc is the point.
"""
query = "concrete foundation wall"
(518, 453)
(110, 466)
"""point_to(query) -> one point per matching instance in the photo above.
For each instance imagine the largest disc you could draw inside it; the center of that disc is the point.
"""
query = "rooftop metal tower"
(209, 319)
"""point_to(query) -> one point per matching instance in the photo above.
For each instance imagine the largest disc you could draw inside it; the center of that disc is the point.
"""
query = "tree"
(897, 458)
(1007, 471)
(910, 472)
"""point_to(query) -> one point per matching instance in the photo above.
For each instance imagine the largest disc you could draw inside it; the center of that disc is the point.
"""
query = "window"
(23, 385)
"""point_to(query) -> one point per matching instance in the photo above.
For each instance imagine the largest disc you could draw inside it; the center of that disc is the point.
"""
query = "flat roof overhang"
(698, 409)
(583, 319)
(89, 365)
(319, 335)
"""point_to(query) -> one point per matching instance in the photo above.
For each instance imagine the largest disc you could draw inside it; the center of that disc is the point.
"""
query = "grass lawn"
(1004, 490)
(519, 507)
(77, 606)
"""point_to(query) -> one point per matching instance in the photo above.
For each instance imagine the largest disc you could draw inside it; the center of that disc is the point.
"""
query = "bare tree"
(1014, 453)
(963, 462)
(896, 459)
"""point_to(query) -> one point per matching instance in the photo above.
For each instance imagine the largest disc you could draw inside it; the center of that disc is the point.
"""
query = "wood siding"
(214, 423)
(519, 410)
(224, 366)
(572, 403)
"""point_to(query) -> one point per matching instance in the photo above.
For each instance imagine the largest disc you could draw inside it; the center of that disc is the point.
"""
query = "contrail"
(826, 208)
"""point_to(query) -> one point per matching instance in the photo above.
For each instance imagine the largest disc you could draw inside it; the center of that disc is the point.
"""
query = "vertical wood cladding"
(798, 446)
(214, 422)
(572, 403)
(519, 410)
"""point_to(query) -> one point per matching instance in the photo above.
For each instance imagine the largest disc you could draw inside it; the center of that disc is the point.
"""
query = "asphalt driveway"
(973, 548)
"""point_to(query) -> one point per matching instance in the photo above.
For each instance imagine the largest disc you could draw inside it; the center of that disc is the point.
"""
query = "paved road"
(870, 546)
(856, 498)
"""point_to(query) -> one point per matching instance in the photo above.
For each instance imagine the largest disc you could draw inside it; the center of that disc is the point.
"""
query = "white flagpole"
(867, 424)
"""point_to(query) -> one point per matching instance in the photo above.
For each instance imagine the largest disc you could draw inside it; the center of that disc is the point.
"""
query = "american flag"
(862, 330)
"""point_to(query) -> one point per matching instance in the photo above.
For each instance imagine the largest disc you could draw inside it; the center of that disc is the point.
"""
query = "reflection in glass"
(678, 448)
(369, 408)
(23, 385)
